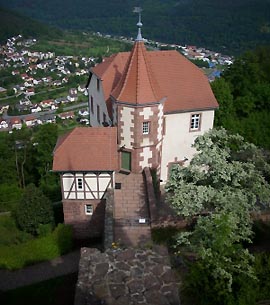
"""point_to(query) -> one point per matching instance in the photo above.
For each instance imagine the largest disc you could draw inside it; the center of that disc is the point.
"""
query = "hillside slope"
(233, 25)
(12, 24)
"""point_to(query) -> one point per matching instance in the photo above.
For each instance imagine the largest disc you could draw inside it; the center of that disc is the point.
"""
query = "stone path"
(131, 216)
(126, 277)
(62, 265)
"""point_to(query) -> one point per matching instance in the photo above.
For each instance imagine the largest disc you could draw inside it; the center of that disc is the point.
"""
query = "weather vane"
(138, 10)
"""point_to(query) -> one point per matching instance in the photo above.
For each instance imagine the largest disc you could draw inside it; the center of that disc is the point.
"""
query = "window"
(98, 84)
(104, 117)
(146, 127)
(92, 104)
(88, 208)
(98, 114)
(79, 183)
(195, 122)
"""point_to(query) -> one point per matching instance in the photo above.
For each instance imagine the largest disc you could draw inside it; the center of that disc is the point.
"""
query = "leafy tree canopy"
(225, 181)
(243, 93)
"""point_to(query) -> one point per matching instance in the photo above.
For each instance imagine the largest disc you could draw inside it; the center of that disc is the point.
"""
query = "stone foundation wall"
(126, 277)
(157, 220)
(84, 226)
(108, 223)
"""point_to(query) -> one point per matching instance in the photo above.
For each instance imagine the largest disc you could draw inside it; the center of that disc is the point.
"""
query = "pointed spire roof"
(138, 84)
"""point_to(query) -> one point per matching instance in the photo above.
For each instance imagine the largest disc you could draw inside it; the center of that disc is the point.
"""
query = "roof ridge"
(149, 71)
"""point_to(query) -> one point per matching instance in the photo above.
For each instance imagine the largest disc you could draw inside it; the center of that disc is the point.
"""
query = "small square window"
(146, 127)
(79, 183)
(195, 122)
(88, 209)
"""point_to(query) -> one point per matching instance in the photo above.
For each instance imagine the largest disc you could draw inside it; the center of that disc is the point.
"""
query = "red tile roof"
(87, 149)
(138, 84)
(184, 85)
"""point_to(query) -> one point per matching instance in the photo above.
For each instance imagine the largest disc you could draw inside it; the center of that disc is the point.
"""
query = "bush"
(9, 233)
(63, 237)
(10, 195)
(37, 250)
(33, 210)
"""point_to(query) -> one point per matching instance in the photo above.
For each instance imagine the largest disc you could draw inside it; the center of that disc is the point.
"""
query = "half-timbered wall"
(86, 186)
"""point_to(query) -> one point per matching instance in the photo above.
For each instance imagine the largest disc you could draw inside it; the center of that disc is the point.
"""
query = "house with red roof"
(86, 159)
(159, 101)
(156, 103)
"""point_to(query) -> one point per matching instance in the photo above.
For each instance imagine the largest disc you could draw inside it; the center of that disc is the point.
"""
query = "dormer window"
(146, 127)
(195, 122)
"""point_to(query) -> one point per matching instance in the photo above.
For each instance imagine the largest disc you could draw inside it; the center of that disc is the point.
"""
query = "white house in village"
(146, 108)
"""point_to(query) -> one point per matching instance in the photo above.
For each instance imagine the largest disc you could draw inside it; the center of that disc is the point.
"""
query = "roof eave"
(192, 110)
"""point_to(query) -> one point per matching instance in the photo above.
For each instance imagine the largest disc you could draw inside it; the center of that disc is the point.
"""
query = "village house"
(46, 103)
(3, 123)
(30, 121)
(154, 104)
(36, 108)
(66, 115)
(15, 122)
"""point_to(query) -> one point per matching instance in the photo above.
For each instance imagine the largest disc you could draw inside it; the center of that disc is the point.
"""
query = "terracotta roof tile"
(138, 84)
(87, 149)
(184, 85)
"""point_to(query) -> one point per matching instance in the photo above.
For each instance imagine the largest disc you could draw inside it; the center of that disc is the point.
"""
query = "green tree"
(243, 93)
(34, 209)
(225, 182)
(222, 92)
(44, 141)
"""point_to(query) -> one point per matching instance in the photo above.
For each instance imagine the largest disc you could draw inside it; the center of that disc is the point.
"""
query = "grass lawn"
(58, 291)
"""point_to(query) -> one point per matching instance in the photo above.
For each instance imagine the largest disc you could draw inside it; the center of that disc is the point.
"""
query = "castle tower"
(137, 104)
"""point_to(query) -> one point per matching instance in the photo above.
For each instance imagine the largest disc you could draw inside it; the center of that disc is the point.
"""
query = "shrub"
(33, 210)
(63, 237)
(40, 249)
(9, 233)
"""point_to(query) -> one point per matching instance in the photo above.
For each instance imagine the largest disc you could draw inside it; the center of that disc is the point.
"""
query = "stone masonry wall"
(126, 277)
(157, 219)
(108, 222)
(84, 226)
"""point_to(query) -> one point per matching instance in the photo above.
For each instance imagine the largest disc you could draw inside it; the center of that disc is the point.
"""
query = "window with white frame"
(195, 121)
(79, 183)
(146, 127)
(88, 208)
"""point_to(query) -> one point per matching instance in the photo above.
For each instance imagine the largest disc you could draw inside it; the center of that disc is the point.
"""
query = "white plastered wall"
(178, 138)
(127, 120)
(98, 99)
